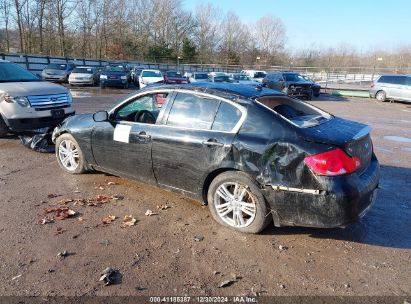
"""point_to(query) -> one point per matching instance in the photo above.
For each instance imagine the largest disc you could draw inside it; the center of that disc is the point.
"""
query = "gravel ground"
(159, 254)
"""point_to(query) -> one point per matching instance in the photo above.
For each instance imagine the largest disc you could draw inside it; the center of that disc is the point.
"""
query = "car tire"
(69, 154)
(316, 95)
(4, 129)
(248, 197)
(381, 96)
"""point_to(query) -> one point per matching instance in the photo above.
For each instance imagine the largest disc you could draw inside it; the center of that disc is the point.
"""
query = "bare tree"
(5, 8)
(269, 34)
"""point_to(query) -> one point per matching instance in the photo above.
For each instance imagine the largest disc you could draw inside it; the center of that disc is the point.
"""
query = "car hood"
(31, 88)
(299, 82)
(152, 79)
(80, 75)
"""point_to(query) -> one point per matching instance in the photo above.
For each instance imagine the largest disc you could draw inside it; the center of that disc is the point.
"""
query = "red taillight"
(331, 163)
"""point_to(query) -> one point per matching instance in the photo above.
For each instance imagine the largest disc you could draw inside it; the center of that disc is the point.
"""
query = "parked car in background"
(83, 75)
(391, 87)
(243, 79)
(28, 103)
(255, 74)
(149, 76)
(314, 86)
(135, 72)
(253, 155)
(57, 72)
(114, 76)
(218, 77)
(291, 83)
(174, 77)
(197, 77)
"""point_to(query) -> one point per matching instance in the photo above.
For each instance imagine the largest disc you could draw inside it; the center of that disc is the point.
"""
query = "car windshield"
(259, 75)
(241, 77)
(151, 74)
(200, 76)
(114, 68)
(293, 77)
(221, 78)
(10, 72)
(174, 74)
(83, 70)
(57, 66)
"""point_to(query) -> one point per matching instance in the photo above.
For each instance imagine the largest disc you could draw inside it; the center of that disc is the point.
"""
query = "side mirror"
(100, 116)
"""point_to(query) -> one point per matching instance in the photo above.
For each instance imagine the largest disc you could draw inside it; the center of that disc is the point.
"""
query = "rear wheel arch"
(210, 177)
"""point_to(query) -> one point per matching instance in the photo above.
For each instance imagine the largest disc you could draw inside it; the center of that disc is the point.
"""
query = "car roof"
(225, 90)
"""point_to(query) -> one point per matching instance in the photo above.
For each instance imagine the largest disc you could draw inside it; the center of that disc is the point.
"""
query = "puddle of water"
(398, 139)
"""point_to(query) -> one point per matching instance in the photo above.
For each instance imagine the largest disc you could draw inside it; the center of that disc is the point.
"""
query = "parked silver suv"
(28, 103)
(392, 87)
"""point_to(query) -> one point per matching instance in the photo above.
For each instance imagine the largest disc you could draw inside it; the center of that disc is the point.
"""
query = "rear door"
(195, 139)
(407, 89)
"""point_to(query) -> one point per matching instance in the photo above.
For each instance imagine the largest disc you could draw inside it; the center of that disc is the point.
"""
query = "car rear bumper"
(347, 199)
(27, 124)
(80, 82)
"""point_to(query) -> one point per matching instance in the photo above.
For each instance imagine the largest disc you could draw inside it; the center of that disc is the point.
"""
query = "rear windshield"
(151, 74)
(173, 74)
(114, 68)
(83, 70)
(297, 112)
(259, 75)
(10, 72)
(200, 76)
(57, 66)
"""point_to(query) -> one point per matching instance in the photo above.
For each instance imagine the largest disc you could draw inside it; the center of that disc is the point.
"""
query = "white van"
(255, 74)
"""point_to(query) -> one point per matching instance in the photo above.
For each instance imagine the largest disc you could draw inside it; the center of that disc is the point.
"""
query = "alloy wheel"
(235, 204)
(68, 155)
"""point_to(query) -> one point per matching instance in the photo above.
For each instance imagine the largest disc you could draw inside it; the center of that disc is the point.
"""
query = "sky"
(363, 24)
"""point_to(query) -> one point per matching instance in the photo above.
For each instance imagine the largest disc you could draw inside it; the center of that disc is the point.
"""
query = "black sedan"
(252, 154)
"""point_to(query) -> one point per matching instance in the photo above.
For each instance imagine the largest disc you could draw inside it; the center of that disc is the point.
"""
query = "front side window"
(144, 109)
(227, 117)
(192, 112)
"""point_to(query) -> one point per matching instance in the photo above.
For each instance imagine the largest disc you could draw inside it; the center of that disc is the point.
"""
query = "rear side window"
(192, 112)
(392, 79)
(227, 117)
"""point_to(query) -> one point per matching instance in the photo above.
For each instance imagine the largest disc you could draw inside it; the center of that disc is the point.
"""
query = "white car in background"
(83, 75)
(149, 76)
(197, 77)
(255, 74)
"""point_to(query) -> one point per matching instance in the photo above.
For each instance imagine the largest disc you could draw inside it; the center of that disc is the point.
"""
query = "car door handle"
(213, 142)
(143, 135)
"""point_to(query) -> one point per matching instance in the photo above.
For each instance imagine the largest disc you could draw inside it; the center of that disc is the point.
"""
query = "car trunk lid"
(351, 136)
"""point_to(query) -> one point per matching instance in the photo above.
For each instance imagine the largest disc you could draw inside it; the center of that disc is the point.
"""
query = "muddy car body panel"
(265, 141)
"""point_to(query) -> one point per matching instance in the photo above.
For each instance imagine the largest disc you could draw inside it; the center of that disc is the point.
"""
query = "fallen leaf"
(52, 195)
(59, 230)
(128, 221)
(65, 201)
(150, 213)
(111, 183)
(108, 219)
(62, 255)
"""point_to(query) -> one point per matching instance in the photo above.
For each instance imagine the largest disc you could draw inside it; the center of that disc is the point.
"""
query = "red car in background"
(174, 77)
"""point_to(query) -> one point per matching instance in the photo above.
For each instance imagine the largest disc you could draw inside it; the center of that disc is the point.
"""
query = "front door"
(123, 144)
